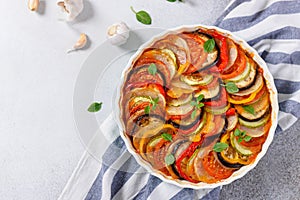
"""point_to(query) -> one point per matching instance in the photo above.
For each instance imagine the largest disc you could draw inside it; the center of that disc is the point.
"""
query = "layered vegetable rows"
(196, 106)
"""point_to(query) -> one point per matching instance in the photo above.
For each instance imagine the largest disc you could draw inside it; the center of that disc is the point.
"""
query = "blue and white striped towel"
(272, 27)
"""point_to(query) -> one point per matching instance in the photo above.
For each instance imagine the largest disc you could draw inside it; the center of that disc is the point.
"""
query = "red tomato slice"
(214, 168)
(237, 68)
(255, 141)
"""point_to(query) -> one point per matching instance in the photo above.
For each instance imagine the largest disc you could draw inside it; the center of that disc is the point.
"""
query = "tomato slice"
(214, 168)
(186, 154)
(159, 64)
(157, 87)
(255, 141)
(198, 55)
(237, 68)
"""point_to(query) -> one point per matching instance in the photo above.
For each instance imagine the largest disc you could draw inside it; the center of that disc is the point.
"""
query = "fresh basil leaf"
(167, 136)
(237, 132)
(194, 114)
(200, 105)
(231, 87)
(200, 97)
(169, 159)
(147, 110)
(171, 0)
(240, 139)
(209, 45)
(220, 146)
(247, 138)
(95, 107)
(249, 109)
(152, 69)
(156, 100)
(243, 134)
(142, 16)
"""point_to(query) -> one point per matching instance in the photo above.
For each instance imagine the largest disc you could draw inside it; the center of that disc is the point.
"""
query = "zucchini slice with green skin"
(197, 79)
(238, 147)
(241, 76)
(210, 92)
(179, 110)
(184, 99)
(248, 80)
(254, 87)
(255, 132)
(201, 125)
(254, 124)
(216, 110)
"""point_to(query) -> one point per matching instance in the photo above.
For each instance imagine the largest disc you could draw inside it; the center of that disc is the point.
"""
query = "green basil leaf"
(200, 97)
(240, 139)
(147, 110)
(237, 132)
(243, 134)
(220, 146)
(169, 159)
(200, 105)
(249, 109)
(209, 45)
(156, 100)
(171, 0)
(167, 136)
(247, 138)
(194, 114)
(152, 69)
(231, 87)
(95, 107)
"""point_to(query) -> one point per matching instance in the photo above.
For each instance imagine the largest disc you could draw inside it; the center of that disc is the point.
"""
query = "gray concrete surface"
(277, 175)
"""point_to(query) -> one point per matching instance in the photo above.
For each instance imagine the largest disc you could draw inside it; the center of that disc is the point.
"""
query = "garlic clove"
(33, 5)
(71, 8)
(118, 33)
(81, 42)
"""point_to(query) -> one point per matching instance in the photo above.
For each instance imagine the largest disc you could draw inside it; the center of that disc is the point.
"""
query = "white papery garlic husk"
(71, 8)
(118, 33)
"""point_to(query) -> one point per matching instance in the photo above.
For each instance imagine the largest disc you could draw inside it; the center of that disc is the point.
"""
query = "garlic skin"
(118, 33)
(81, 42)
(71, 8)
(33, 5)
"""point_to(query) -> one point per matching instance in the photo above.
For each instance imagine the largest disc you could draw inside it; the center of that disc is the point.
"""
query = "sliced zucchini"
(254, 124)
(217, 110)
(239, 148)
(183, 99)
(179, 110)
(241, 76)
(255, 132)
(258, 83)
(248, 80)
(209, 93)
(201, 125)
(197, 79)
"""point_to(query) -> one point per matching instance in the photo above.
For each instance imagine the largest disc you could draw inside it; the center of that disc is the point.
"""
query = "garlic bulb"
(81, 42)
(71, 8)
(118, 33)
(33, 5)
